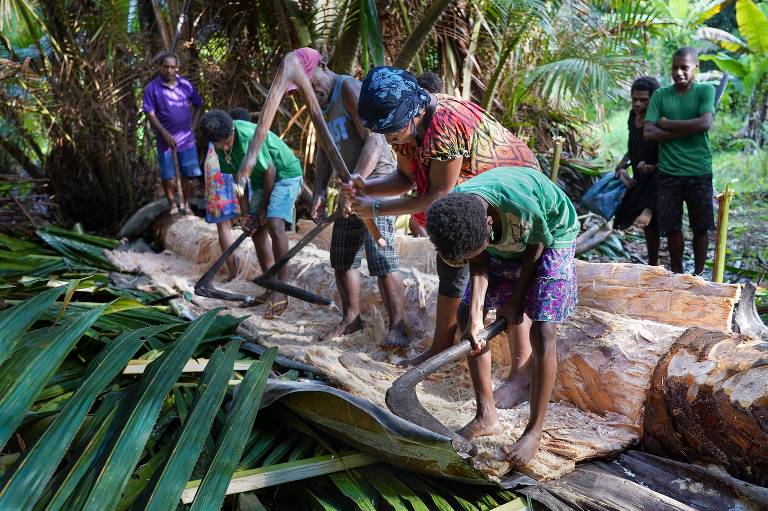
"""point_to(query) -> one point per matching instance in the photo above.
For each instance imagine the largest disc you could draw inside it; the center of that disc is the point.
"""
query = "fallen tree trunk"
(708, 403)
(608, 350)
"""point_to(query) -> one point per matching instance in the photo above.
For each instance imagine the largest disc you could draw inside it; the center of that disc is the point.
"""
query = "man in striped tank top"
(366, 154)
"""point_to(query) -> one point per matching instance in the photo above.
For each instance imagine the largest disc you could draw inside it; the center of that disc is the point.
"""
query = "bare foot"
(481, 426)
(343, 328)
(512, 392)
(523, 451)
(396, 338)
(644, 218)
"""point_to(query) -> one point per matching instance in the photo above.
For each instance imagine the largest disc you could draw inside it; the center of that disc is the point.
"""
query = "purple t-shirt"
(173, 110)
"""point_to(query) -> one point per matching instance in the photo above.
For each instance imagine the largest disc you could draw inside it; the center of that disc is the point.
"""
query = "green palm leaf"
(157, 382)
(239, 423)
(355, 489)
(94, 441)
(18, 319)
(165, 491)
(25, 482)
(387, 483)
(26, 373)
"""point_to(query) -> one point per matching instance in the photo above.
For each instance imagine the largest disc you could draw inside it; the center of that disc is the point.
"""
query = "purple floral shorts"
(552, 296)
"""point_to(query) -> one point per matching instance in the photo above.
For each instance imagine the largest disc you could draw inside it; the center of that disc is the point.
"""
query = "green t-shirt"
(273, 151)
(688, 155)
(533, 208)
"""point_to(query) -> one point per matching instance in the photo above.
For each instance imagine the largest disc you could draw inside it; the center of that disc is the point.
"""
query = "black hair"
(430, 82)
(648, 83)
(240, 114)
(457, 224)
(166, 54)
(216, 125)
(685, 52)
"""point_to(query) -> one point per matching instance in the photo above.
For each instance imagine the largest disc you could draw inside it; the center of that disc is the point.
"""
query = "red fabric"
(461, 129)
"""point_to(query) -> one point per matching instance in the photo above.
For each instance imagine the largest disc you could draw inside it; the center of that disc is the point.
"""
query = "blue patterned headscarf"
(389, 98)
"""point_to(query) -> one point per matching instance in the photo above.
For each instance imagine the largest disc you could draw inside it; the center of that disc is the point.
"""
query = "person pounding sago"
(516, 229)
(367, 155)
(275, 181)
(439, 141)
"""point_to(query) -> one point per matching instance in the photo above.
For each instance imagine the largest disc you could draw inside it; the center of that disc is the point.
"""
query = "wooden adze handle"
(285, 76)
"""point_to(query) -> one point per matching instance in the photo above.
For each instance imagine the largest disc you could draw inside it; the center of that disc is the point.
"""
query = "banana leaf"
(156, 384)
(212, 490)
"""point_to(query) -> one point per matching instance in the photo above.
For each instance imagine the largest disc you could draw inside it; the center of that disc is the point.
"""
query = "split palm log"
(291, 72)
(708, 403)
(402, 399)
(268, 279)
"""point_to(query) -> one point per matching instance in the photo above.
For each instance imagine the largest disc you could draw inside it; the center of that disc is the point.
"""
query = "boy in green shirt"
(679, 117)
(275, 182)
(517, 231)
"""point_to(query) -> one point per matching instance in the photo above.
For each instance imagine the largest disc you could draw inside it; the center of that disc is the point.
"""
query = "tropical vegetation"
(75, 430)
(101, 407)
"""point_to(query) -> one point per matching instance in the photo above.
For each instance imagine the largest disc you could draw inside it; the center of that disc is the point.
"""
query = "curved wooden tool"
(268, 279)
(290, 72)
(401, 397)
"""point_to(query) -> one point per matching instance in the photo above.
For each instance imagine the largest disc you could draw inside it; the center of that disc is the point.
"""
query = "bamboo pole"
(556, 159)
(724, 202)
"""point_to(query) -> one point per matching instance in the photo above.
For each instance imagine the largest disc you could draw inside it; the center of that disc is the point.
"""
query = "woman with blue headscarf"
(440, 141)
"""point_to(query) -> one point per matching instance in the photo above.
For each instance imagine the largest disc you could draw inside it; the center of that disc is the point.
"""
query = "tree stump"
(708, 403)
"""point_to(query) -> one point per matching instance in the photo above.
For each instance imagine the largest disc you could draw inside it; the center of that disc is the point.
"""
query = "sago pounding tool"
(401, 397)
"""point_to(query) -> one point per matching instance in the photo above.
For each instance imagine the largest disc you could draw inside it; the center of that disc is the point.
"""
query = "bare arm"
(155, 123)
(374, 143)
(320, 185)
(443, 176)
(478, 271)
(395, 183)
(196, 111)
(653, 132)
(700, 124)
(623, 162)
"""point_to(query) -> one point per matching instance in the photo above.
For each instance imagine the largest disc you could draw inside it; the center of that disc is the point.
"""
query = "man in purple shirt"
(172, 105)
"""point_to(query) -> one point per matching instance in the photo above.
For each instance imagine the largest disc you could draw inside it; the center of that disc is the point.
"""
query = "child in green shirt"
(275, 182)
(517, 231)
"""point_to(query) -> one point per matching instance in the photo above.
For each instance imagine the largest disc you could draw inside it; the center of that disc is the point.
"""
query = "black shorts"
(696, 192)
(350, 236)
(452, 280)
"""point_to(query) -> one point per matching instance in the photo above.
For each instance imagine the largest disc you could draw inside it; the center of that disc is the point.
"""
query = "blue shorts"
(281, 201)
(188, 164)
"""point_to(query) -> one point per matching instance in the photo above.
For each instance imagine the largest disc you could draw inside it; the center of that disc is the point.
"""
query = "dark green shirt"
(532, 208)
(688, 155)
(273, 151)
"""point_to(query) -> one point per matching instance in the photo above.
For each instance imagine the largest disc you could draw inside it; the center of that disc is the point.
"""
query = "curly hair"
(648, 83)
(456, 224)
(430, 82)
(216, 125)
(240, 114)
